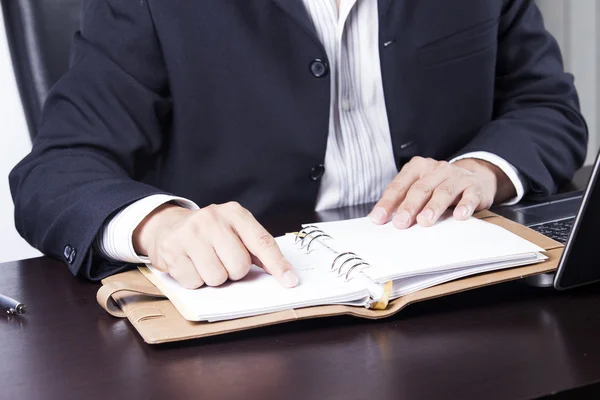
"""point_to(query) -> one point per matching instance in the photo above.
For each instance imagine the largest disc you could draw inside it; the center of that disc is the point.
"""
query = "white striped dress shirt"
(359, 146)
(359, 160)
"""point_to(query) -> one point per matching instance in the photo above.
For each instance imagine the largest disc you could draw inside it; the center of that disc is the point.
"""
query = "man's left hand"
(425, 188)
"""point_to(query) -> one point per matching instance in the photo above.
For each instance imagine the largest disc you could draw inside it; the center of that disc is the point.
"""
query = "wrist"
(494, 177)
(160, 218)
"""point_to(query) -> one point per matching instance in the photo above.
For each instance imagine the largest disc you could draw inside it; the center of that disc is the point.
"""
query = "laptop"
(572, 219)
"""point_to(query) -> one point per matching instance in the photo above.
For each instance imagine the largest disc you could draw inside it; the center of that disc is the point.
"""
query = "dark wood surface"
(510, 341)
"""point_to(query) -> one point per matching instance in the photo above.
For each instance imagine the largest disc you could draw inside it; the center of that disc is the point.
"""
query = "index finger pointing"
(264, 247)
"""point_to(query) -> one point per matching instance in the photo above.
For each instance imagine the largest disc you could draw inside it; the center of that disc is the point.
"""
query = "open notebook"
(356, 262)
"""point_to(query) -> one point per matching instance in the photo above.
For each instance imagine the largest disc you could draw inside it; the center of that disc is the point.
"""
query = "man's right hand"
(210, 245)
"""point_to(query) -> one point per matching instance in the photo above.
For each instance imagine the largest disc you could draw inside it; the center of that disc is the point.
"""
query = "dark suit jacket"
(218, 101)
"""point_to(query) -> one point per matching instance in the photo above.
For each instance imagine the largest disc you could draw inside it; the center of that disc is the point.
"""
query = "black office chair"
(39, 34)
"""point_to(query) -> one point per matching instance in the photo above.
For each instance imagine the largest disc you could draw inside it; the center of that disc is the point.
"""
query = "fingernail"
(427, 214)
(462, 211)
(378, 215)
(289, 279)
(402, 219)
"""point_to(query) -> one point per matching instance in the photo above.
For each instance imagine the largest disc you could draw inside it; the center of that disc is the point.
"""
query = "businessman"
(181, 123)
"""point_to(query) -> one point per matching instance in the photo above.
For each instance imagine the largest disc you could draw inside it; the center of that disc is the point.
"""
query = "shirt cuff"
(513, 174)
(115, 240)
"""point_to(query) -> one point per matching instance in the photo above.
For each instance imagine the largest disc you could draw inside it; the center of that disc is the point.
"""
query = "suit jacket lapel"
(296, 10)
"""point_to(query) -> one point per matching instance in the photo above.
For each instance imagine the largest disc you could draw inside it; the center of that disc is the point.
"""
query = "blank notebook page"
(449, 244)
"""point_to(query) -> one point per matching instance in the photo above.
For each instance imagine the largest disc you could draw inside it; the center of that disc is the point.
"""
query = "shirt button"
(346, 105)
(319, 68)
(317, 172)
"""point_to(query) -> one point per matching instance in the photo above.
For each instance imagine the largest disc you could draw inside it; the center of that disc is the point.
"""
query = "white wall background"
(576, 26)
(575, 23)
(14, 145)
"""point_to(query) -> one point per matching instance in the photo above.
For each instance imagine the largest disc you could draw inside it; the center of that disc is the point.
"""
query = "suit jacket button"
(319, 68)
(71, 259)
(317, 172)
(67, 252)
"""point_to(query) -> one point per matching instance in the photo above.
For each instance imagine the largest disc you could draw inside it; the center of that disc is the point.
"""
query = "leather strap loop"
(106, 301)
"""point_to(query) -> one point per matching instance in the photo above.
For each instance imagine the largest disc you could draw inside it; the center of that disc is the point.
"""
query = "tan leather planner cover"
(132, 295)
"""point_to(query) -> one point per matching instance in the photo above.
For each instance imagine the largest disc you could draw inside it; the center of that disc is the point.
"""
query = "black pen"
(12, 306)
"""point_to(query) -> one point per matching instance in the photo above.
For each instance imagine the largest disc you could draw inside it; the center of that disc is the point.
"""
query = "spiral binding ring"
(303, 232)
(320, 235)
(340, 256)
(309, 235)
(346, 262)
(352, 257)
(347, 278)
(312, 233)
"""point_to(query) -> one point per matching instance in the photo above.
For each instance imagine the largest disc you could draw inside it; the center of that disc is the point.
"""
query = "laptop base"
(540, 215)
(541, 280)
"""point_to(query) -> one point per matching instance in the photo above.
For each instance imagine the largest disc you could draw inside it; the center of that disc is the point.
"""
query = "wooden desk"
(510, 341)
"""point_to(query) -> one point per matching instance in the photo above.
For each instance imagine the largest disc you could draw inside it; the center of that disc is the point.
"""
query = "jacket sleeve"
(101, 129)
(537, 126)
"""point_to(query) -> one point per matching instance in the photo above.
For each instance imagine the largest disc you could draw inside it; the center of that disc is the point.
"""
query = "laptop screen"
(580, 263)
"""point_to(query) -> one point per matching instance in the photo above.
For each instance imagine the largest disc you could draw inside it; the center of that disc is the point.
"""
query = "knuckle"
(193, 226)
(446, 190)
(207, 213)
(236, 208)
(266, 241)
(435, 207)
(442, 165)
(206, 217)
(416, 160)
(233, 206)
(396, 186)
(470, 203)
(421, 187)
(474, 197)
(469, 197)
(211, 208)
(478, 193)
